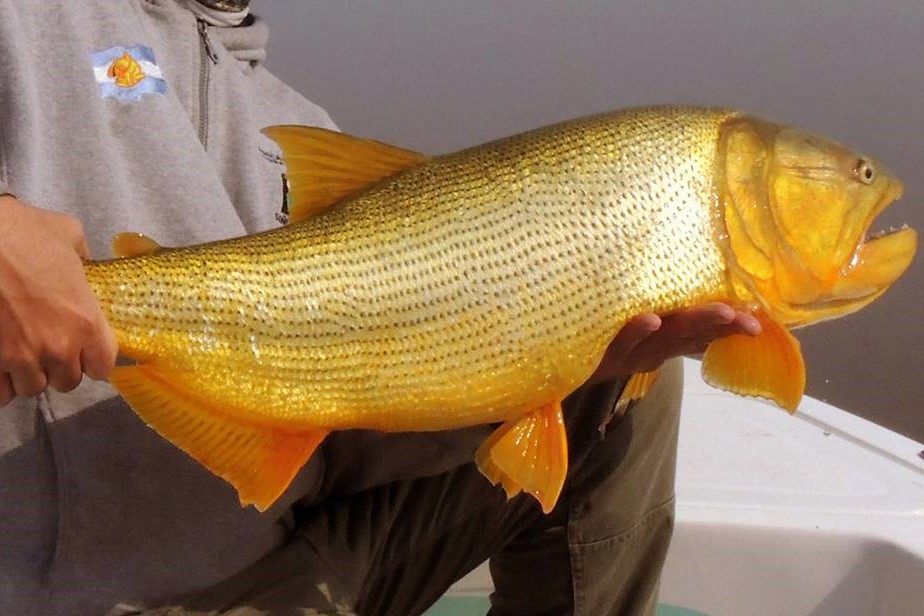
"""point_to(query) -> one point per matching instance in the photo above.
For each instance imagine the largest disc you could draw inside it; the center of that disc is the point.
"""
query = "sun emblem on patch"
(127, 74)
(126, 71)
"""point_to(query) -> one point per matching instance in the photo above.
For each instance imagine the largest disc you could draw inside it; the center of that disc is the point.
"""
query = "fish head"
(797, 210)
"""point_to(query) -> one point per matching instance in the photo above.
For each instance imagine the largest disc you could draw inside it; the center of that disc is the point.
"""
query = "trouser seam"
(621, 536)
(577, 549)
(432, 537)
(341, 578)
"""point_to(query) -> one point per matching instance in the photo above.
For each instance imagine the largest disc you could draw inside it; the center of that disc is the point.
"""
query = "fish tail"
(260, 461)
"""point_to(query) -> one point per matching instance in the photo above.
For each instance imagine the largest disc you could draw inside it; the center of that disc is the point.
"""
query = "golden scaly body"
(472, 288)
(485, 285)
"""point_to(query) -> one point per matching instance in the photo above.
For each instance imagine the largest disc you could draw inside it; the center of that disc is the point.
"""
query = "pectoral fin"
(769, 365)
(529, 454)
(259, 461)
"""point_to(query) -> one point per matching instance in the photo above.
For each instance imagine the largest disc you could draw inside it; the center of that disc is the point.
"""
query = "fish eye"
(865, 171)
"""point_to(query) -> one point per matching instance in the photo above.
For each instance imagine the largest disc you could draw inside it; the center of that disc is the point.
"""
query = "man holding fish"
(148, 119)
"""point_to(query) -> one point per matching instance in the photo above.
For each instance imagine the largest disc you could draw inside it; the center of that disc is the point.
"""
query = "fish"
(423, 293)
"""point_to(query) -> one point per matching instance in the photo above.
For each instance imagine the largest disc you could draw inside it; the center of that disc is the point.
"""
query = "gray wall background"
(438, 75)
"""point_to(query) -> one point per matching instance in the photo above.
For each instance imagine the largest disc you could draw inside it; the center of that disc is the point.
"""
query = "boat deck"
(819, 514)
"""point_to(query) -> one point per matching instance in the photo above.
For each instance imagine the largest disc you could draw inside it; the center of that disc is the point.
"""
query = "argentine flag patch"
(127, 74)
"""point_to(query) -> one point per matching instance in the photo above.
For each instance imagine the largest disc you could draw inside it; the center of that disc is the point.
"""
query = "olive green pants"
(393, 550)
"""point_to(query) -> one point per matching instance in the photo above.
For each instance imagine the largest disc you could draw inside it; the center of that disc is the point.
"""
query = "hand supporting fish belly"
(414, 293)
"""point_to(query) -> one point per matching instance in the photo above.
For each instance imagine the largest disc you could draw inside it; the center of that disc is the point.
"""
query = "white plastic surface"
(817, 514)
(820, 514)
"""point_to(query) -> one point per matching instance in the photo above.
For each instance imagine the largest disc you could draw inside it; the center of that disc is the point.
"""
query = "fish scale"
(465, 290)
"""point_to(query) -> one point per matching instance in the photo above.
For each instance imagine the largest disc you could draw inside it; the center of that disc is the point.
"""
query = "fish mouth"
(877, 263)
(892, 193)
(880, 258)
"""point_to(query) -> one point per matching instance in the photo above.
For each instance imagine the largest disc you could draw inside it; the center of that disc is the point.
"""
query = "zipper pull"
(204, 35)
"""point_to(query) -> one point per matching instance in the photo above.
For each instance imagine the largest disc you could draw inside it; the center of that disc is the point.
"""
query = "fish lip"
(873, 269)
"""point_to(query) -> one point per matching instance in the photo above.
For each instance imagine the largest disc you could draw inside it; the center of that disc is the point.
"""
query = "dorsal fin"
(130, 244)
(324, 166)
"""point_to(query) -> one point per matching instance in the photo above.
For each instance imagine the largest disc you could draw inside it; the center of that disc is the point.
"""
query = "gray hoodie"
(95, 509)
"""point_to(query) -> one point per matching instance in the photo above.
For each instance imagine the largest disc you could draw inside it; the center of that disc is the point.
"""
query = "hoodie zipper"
(208, 57)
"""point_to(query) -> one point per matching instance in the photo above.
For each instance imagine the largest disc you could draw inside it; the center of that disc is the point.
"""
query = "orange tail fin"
(259, 461)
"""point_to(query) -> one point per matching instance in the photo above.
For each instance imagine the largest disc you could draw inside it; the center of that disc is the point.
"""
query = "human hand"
(52, 329)
(648, 340)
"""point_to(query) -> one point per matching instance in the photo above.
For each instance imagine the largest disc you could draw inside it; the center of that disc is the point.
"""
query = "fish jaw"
(879, 258)
(876, 262)
(875, 266)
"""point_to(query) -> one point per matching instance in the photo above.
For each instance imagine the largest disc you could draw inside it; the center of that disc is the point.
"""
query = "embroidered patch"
(127, 73)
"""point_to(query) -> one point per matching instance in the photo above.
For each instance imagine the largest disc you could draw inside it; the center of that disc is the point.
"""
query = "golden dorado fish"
(413, 293)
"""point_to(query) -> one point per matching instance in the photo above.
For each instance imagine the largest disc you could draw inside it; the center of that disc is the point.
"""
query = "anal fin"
(260, 461)
(529, 454)
(636, 388)
(769, 365)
